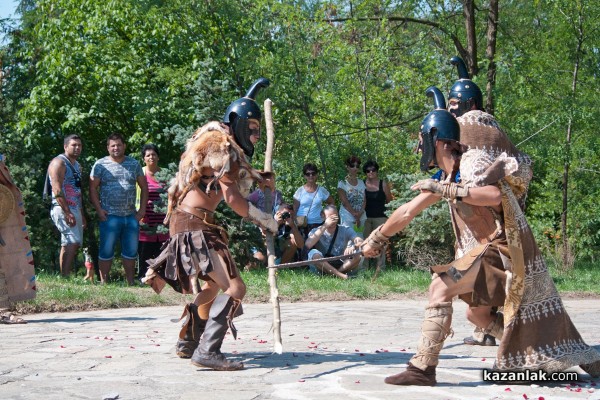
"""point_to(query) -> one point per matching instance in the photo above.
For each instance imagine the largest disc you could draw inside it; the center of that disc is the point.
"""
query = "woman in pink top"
(151, 239)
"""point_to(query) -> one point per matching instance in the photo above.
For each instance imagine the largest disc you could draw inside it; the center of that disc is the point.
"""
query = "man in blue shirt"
(113, 194)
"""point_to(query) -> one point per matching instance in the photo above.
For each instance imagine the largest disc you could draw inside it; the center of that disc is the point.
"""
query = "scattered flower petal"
(62, 347)
(107, 356)
(301, 380)
(483, 359)
(357, 381)
(508, 390)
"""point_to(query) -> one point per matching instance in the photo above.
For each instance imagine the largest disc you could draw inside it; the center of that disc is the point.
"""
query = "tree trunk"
(490, 53)
(469, 13)
(566, 256)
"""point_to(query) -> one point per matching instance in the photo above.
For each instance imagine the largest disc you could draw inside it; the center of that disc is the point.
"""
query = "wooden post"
(277, 346)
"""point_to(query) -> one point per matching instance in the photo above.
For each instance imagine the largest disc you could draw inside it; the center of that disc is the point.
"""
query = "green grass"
(56, 293)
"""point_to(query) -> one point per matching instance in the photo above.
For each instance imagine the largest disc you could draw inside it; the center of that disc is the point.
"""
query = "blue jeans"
(126, 230)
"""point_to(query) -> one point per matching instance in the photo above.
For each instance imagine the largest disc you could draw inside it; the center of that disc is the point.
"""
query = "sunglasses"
(370, 170)
(311, 173)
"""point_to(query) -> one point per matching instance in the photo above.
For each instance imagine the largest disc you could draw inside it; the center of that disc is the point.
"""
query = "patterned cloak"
(538, 333)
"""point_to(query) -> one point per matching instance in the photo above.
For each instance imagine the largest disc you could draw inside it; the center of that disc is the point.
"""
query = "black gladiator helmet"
(241, 111)
(464, 90)
(437, 125)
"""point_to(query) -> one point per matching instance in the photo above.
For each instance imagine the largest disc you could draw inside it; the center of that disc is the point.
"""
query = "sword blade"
(308, 262)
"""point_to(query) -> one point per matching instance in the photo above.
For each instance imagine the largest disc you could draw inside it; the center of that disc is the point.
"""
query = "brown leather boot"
(413, 376)
(190, 333)
(208, 353)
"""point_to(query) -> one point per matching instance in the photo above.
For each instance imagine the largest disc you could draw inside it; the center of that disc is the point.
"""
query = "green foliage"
(429, 239)
(347, 78)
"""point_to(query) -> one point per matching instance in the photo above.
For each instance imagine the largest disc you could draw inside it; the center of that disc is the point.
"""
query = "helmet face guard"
(427, 147)
(240, 112)
(242, 132)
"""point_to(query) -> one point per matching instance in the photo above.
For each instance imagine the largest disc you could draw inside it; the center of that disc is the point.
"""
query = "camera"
(285, 215)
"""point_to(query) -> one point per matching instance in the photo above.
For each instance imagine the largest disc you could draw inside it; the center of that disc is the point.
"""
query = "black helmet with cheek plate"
(239, 113)
(437, 125)
(464, 90)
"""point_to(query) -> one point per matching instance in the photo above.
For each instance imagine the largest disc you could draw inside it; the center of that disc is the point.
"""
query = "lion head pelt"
(210, 148)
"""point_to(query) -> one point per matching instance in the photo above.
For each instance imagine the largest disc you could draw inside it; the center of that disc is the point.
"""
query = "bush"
(428, 239)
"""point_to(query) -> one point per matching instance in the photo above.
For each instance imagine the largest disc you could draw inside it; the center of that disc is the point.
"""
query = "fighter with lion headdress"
(214, 167)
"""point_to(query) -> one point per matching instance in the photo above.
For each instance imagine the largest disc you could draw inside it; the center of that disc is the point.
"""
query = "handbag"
(302, 220)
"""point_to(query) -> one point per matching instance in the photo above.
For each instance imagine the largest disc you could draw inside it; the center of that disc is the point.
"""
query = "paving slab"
(332, 350)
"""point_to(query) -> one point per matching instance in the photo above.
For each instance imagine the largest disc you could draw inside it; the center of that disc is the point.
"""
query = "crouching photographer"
(288, 238)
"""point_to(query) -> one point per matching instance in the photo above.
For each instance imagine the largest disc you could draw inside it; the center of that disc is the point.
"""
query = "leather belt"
(205, 215)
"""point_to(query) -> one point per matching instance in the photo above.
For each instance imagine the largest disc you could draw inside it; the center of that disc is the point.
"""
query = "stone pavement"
(332, 350)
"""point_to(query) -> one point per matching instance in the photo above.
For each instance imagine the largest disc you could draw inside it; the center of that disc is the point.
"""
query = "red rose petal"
(301, 380)
(107, 356)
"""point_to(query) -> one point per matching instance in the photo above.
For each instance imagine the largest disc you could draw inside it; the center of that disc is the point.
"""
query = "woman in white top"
(351, 192)
(309, 199)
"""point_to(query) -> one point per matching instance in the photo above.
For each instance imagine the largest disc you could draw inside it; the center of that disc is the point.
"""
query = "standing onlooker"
(150, 240)
(67, 206)
(351, 192)
(309, 199)
(257, 198)
(17, 275)
(378, 194)
(116, 176)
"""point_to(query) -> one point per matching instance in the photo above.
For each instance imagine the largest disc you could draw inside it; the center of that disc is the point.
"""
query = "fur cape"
(211, 147)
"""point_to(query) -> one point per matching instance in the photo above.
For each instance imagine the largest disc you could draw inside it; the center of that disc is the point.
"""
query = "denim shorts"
(124, 229)
(68, 234)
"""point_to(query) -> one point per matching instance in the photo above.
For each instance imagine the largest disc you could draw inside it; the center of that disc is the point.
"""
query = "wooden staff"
(278, 346)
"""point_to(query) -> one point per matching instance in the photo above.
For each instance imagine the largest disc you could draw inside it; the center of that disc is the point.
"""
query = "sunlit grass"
(56, 293)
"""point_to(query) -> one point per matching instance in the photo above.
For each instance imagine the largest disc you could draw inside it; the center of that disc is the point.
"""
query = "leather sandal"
(488, 340)
(10, 318)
